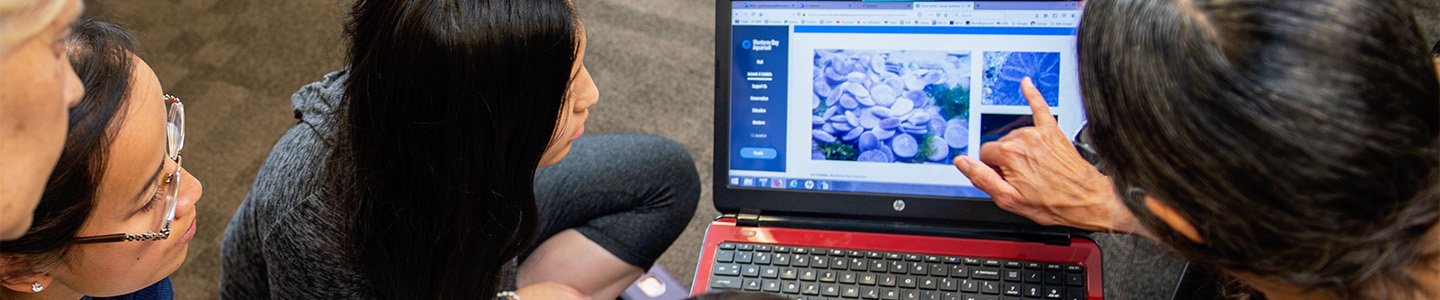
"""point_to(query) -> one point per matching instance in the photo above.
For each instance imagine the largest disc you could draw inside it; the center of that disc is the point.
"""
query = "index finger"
(1040, 108)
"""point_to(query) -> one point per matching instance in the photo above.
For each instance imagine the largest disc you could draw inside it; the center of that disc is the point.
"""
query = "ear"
(1170, 217)
(16, 274)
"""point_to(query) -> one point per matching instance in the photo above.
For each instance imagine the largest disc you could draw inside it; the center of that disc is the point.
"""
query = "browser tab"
(944, 6)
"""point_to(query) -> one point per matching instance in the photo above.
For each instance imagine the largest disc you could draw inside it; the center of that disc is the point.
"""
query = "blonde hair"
(22, 19)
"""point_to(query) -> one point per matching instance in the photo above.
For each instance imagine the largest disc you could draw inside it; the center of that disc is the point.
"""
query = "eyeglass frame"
(174, 142)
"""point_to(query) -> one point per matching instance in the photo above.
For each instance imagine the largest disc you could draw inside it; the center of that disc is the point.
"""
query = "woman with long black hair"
(412, 174)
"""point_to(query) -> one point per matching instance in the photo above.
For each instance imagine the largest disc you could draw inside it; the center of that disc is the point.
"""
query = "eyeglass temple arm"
(121, 237)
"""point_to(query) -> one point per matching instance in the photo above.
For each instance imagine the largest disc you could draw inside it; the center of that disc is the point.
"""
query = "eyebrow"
(148, 187)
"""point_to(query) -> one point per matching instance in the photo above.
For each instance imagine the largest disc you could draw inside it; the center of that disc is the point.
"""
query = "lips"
(188, 233)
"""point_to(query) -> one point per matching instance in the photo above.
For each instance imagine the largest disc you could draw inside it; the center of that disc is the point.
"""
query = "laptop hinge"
(1058, 238)
(748, 217)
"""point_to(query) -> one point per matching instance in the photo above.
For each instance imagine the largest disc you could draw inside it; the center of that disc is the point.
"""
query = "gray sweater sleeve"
(286, 241)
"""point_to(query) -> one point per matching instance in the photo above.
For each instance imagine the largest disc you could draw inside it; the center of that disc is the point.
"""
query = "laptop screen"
(878, 97)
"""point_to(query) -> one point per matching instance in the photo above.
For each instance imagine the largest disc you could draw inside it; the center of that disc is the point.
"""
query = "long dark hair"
(448, 109)
(1298, 137)
(100, 52)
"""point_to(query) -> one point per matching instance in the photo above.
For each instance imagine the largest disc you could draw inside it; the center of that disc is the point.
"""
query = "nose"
(73, 89)
(190, 191)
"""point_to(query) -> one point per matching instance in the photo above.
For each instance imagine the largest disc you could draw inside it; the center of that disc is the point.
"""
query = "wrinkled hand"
(549, 290)
(1036, 172)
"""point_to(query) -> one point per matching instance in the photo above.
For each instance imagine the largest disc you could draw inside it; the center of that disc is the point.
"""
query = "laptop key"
(809, 288)
(839, 263)
(727, 269)
(1037, 291)
(989, 287)
(1034, 276)
(790, 287)
(782, 249)
(887, 280)
(1013, 275)
(1054, 278)
(1074, 293)
(889, 294)
(752, 284)
(1011, 289)
(762, 258)
(910, 295)
(837, 252)
(919, 268)
(960, 272)
(972, 261)
(800, 260)
(969, 286)
(938, 270)
(1012, 264)
(746, 247)
(847, 277)
(1054, 293)
(780, 260)
(985, 273)
(789, 274)
(927, 283)
(744, 257)
(725, 282)
(867, 279)
(819, 261)
(770, 286)
(932, 258)
(869, 293)
(769, 272)
(992, 263)
(829, 290)
(877, 266)
(766, 248)
(850, 291)
(1075, 279)
(907, 282)
(727, 246)
(858, 264)
(725, 256)
(949, 285)
(827, 276)
(808, 275)
(750, 271)
(899, 267)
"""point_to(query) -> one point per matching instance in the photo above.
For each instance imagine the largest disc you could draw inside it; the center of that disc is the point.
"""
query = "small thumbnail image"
(995, 126)
(1004, 70)
(890, 106)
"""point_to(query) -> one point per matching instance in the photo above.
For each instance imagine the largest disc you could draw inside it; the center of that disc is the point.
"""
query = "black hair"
(100, 53)
(448, 109)
(1298, 137)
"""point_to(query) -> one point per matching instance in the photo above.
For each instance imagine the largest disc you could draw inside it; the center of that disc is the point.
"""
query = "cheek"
(115, 269)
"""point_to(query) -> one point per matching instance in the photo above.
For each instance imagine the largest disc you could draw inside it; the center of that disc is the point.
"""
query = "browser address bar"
(857, 15)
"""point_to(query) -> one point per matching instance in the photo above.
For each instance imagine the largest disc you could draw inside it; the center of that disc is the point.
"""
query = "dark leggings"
(631, 194)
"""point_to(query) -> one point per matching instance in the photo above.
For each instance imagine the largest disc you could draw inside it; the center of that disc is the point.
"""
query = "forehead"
(139, 143)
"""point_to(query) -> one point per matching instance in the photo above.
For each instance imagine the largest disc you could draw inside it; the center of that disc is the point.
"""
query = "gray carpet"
(236, 62)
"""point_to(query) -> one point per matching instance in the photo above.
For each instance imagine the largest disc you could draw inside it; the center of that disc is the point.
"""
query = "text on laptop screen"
(879, 97)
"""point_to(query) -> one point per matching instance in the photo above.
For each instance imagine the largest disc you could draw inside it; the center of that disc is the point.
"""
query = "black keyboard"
(807, 273)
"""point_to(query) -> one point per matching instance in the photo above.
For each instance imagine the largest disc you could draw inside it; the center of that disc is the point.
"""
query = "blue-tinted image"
(890, 106)
(1004, 70)
(993, 126)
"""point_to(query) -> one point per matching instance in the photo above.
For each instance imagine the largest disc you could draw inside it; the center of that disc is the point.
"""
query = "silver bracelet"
(507, 295)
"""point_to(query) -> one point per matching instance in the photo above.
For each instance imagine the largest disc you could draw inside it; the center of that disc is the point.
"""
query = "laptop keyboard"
(824, 273)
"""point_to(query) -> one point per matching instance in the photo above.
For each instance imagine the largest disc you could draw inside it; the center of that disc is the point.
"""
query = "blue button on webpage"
(757, 153)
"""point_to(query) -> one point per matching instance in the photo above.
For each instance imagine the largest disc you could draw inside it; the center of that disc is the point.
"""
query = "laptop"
(835, 126)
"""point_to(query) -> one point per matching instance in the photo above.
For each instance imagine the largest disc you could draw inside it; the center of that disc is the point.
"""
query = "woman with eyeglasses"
(431, 168)
(1293, 146)
(36, 87)
(118, 213)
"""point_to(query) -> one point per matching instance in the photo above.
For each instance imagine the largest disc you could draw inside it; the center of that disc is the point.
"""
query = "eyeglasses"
(1082, 144)
(174, 142)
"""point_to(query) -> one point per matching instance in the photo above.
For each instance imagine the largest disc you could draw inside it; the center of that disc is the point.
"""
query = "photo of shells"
(1004, 70)
(896, 106)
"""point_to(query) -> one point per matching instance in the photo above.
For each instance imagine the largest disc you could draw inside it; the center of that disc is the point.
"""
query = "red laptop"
(836, 122)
